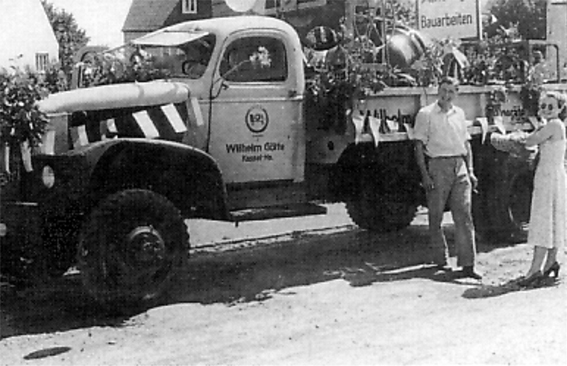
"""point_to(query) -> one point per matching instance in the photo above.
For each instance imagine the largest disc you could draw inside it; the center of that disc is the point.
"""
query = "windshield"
(161, 57)
(187, 60)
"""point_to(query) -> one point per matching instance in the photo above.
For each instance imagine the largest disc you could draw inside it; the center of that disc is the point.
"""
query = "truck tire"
(131, 247)
(510, 202)
(501, 210)
(379, 211)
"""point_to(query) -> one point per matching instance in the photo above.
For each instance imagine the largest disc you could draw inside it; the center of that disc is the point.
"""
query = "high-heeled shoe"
(531, 279)
(555, 267)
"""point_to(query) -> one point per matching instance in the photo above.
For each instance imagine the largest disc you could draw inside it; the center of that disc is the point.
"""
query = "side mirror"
(219, 84)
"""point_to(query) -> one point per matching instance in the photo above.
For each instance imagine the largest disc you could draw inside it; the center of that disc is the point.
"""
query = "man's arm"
(421, 135)
(470, 167)
(420, 158)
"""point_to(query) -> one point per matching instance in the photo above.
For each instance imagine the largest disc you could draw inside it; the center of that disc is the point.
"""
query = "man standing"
(444, 157)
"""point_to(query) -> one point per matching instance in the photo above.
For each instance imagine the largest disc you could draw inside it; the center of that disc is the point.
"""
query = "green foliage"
(120, 67)
(429, 68)
(54, 79)
(70, 37)
(20, 119)
(528, 16)
(402, 12)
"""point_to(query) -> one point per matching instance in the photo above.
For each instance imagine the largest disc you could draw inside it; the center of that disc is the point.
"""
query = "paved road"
(229, 264)
(302, 292)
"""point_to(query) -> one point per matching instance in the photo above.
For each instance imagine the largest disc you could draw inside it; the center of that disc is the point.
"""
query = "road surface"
(302, 291)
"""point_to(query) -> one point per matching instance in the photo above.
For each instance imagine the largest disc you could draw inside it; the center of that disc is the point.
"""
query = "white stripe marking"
(111, 125)
(197, 111)
(174, 118)
(48, 145)
(146, 124)
(108, 128)
(81, 139)
(26, 156)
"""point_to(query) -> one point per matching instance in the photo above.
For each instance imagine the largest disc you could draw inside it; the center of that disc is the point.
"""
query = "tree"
(529, 16)
(69, 36)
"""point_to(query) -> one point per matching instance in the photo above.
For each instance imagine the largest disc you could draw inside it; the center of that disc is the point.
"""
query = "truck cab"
(247, 83)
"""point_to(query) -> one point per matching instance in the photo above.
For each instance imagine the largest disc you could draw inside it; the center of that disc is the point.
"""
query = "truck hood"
(128, 95)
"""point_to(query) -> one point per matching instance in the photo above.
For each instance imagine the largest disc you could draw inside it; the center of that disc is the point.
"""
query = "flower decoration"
(261, 58)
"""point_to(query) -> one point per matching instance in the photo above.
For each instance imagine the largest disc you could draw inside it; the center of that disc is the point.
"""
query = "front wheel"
(131, 247)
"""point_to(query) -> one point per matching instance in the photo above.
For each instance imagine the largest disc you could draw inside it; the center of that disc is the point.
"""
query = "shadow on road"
(487, 291)
(234, 276)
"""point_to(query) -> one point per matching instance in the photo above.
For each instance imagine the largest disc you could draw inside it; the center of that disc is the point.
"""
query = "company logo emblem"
(257, 119)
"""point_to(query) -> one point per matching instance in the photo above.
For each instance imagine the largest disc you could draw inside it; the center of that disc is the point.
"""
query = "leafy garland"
(494, 62)
(22, 124)
(20, 119)
(107, 68)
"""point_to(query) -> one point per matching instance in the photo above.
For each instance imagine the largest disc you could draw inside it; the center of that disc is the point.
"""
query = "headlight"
(48, 176)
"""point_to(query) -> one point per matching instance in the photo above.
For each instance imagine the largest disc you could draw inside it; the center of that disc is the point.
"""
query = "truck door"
(256, 130)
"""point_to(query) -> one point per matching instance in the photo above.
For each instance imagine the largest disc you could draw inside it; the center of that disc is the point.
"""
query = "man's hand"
(474, 181)
(428, 183)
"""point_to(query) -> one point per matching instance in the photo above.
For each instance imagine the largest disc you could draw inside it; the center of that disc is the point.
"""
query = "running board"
(267, 213)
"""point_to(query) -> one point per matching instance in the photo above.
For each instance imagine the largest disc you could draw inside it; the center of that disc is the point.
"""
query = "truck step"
(266, 213)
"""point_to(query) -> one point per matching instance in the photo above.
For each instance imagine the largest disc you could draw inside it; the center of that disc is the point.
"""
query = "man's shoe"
(468, 272)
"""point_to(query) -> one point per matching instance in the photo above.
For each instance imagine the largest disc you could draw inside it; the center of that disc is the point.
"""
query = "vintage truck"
(227, 137)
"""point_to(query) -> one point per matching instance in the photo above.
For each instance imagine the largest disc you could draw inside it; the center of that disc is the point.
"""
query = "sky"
(101, 19)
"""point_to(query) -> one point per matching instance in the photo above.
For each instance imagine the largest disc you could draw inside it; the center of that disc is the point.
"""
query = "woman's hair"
(561, 99)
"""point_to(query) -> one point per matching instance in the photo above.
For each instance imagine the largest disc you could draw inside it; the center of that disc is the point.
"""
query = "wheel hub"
(147, 244)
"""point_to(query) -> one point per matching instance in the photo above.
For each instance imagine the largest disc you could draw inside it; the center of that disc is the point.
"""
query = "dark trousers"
(451, 184)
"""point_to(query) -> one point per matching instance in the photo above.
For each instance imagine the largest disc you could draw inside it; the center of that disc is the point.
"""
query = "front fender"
(188, 177)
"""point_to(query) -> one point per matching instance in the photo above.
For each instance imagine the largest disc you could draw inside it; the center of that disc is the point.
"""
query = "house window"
(271, 4)
(189, 6)
(41, 61)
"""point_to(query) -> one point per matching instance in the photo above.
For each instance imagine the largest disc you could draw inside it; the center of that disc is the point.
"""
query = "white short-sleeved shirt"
(443, 134)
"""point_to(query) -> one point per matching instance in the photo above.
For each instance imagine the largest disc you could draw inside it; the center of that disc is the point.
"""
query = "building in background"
(146, 16)
(303, 15)
(26, 37)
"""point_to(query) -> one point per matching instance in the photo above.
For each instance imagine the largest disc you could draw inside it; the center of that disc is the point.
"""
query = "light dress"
(548, 216)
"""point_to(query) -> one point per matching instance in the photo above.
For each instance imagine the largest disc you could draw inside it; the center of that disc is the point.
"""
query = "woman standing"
(548, 218)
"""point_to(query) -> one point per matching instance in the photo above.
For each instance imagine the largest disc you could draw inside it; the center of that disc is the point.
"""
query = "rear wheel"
(131, 247)
(510, 203)
(502, 208)
(381, 210)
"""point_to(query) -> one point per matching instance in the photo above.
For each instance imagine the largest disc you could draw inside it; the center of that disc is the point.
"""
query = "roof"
(149, 15)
